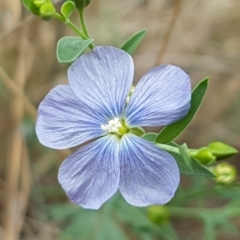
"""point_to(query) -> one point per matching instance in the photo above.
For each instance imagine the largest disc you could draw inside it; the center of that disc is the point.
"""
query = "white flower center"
(113, 126)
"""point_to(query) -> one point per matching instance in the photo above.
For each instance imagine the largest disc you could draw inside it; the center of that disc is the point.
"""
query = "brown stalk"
(15, 153)
(25, 187)
(13, 88)
(169, 32)
(16, 90)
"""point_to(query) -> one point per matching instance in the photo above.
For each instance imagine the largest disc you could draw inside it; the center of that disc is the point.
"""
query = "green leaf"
(222, 150)
(133, 216)
(150, 136)
(69, 48)
(67, 9)
(30, 6)
(138, 131)
(132, 43)
(188, 165)
(76, 222)
(170, 132)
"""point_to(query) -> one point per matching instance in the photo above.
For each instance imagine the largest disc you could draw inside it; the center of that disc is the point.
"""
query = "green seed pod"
(222, 150)
(225, 173)
(204, 156)
(81, 4)
(47, 10)
(39, 3)
(158, 214)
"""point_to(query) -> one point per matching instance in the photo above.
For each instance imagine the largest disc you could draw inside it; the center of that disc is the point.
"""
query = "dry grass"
(200, 36)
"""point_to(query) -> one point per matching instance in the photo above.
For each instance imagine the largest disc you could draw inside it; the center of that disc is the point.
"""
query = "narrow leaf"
(69, 48)
(222, 150)
(67, 9)
(132, 43)
(170, 132)
(30, 6)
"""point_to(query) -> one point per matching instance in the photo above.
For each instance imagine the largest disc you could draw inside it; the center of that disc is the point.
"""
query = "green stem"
(202, 212)
(73, 27)
(205, 191)
(193, 152)
(83, 23)
(189, 212)
(168, 148)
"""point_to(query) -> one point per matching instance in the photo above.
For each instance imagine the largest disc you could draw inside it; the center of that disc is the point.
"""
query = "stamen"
(115, 126)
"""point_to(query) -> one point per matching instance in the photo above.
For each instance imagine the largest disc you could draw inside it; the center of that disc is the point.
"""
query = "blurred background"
(200, 36)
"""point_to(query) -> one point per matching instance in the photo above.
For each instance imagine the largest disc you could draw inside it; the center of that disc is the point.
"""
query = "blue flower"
(96, 105)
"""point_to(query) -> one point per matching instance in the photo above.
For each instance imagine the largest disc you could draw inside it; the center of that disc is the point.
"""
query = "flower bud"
(225, 173)
(222, 150)
(39, 3)
(31, 6)
(158, 214)
(204, 156)
(81, 4)
(47, 10)
(42, 8)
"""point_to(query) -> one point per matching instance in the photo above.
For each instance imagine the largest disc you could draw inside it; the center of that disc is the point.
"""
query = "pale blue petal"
(64, 121)
(161, 97)
(91, 175)
(149, 175)
(102, 79)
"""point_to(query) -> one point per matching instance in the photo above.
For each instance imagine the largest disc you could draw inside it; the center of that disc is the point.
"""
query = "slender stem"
(190, 212)
(211, 190)
(193, 152)
(83, 23)
(201, 212)
(168, 34)
(168, 148)
(73, 27)
(16, 90)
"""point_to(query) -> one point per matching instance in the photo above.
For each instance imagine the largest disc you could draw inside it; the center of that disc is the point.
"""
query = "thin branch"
(22, 24)
(12, 210)
(169, 32)
(17, 91)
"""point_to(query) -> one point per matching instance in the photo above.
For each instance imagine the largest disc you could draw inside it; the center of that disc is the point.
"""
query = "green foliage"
(67, 9)
(222, 150)
(188, 165)
(132, 43)
(225, 173)
(69, 48)
(150, 136)
(42, 8)
(115, 220)
(30, 6)
(138, 131)
(158, 214)
(47, 10)
(81, 4)
(204, 156)
(170, 132)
